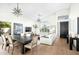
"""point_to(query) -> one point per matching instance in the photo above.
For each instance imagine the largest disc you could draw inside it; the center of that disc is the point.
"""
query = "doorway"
(64, 29)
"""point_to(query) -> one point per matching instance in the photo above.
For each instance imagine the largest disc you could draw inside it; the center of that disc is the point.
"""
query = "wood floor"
(60, 47)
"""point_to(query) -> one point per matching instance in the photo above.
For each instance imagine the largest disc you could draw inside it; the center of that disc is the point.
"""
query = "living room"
(43, 21)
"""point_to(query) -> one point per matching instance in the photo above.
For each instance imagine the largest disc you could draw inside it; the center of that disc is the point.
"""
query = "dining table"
(23, 41)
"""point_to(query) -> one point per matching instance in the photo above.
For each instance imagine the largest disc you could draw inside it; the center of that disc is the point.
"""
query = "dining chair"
(5, 42)
(12, 44)
(33, 42)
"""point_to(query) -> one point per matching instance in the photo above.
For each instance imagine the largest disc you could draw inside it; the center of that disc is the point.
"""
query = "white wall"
(51, 19)
(74, 13)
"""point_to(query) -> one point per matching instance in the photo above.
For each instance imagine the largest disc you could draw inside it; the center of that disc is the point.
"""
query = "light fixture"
(17, 11)
(38, 20)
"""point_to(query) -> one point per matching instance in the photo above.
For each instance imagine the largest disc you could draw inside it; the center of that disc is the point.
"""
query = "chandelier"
(39, 20)
(17, 11)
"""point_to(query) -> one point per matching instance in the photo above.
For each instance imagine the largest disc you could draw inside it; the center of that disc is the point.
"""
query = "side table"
(71, 43)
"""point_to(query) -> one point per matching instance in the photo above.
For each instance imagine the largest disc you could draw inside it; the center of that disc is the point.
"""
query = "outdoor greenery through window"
(5, 24)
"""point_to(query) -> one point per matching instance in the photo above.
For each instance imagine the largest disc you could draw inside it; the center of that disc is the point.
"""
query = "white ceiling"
(32, 10)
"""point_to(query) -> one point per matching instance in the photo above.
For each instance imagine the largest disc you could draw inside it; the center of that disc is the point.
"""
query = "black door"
(78, 25)
(63, 29)
(77, 44)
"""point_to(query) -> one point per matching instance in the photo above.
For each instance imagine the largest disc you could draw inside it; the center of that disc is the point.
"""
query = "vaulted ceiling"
(32, 10)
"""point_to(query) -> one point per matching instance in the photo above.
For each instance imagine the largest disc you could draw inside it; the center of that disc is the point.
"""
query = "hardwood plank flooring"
(60, 47)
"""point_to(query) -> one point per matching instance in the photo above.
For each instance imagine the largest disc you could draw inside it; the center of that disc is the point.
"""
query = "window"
(64, 17)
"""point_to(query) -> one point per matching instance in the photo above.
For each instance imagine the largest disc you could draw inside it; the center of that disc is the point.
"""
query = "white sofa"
(48, 39)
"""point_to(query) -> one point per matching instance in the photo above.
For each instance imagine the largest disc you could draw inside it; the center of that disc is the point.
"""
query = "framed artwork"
(18, 28)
